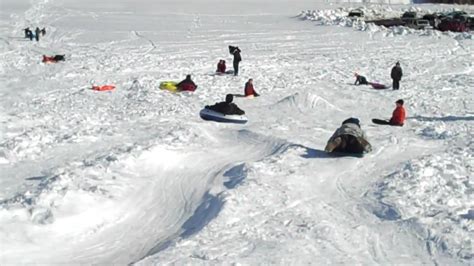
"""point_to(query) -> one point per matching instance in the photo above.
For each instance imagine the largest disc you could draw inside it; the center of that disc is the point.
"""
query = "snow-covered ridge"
(339, 16)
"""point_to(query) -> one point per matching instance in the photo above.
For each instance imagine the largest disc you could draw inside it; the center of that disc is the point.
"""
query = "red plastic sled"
(378, 86)
(103, 88)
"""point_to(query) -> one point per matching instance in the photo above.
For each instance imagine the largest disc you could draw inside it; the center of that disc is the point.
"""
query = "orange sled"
(103, 88)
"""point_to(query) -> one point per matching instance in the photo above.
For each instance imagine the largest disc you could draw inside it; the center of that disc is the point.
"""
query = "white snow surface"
(135, 176)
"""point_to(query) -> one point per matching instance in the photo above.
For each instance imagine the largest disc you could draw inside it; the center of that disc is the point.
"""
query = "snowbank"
(434, 193)
(339, 16)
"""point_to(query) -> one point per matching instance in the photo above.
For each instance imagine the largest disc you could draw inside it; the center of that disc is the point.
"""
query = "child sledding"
(227, 112)
(185, 85)
(361, 80)
(349, 139)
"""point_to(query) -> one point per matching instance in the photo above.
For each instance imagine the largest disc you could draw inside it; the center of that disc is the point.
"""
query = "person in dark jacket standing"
(227, 107)
(396, 76)
(28, 33)
(235, 51)
(37, 33)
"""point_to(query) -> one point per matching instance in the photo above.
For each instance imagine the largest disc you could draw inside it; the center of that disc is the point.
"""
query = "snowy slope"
(135, 176)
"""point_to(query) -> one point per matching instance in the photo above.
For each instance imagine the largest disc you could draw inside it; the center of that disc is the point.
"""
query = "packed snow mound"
(435, 194)
(88, 199)
(303, 102)
(340, 17)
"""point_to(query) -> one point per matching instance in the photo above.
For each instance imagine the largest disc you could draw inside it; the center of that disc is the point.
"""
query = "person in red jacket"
(249, 90)
(187, 84)
(221, 66)
(398, 116)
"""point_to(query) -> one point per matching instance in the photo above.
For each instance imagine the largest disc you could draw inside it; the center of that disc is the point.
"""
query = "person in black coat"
(27, 33)
(59, 57)
(235, 51)
(396, 75)
(227, 107)
(37, 33)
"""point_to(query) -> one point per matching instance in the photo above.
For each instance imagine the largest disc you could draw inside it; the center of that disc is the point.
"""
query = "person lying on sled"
(227, 107)
(349, 138)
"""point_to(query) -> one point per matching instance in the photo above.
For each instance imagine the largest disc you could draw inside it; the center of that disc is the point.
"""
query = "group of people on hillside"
(226, 107)
(348, 138)
(36, 35)
(396, 75)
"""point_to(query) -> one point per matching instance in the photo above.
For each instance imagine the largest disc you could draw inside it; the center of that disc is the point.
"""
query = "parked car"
(422, 24)
(409, 15)
(470, 22)
(387, 22)
(434, 19)
(461, 15)
(356, 13)
(455, 25)
(418, 24)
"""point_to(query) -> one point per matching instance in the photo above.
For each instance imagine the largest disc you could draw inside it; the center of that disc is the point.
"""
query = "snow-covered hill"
(135, 176)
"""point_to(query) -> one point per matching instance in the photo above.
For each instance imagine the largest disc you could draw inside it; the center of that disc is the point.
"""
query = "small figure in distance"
(396, 76)
(187, 84)
(59, 57)
(221, 67)
(227, 107)
(54, 59)
(235, 51)
(398, 116)
(360, 80)
(349, 138)
(249, 91)
(37, 33)
(27, 32)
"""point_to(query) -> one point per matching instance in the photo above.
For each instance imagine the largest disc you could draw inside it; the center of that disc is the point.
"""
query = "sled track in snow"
(173, 209)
